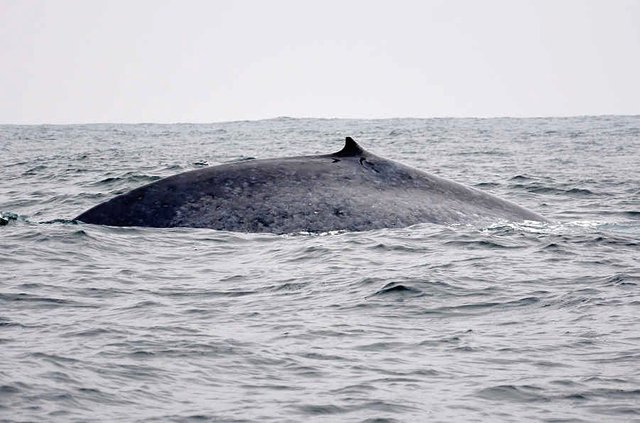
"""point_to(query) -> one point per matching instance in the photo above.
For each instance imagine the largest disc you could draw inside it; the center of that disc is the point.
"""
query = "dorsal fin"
(350, 149)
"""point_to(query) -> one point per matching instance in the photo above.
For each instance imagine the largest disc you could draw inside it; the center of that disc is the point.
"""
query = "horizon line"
(316, 118)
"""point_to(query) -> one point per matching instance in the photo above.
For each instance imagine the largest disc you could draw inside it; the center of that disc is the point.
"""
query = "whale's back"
(348, 190)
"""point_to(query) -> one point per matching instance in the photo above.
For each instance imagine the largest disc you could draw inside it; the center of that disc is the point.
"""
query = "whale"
(349, 190)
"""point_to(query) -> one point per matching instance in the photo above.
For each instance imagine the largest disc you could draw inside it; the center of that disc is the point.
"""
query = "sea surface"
(504, 322)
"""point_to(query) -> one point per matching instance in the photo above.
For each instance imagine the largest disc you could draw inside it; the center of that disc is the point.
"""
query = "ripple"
(397, 289)
(513, 393)
(44, 302)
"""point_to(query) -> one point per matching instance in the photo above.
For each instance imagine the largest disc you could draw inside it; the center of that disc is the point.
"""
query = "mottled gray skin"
(349, 190)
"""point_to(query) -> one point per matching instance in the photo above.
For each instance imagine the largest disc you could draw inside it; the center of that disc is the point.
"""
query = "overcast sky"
(82, 61)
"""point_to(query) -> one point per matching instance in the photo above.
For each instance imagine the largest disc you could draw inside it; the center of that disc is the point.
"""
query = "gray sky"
(68, 61)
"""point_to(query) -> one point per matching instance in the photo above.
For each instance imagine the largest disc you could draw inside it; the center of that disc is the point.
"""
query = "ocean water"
(505, 322)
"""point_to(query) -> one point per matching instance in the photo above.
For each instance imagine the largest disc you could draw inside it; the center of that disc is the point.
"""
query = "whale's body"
(350, 190)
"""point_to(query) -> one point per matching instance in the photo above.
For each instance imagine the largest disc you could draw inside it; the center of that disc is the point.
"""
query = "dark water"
(429, 323)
